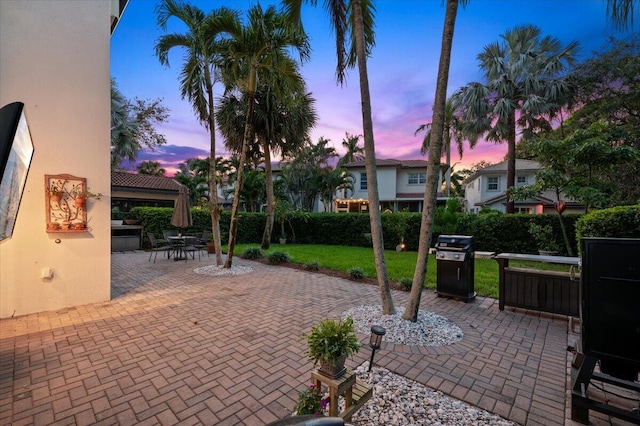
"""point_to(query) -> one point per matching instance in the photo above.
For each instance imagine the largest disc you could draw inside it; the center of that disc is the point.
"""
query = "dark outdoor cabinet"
(610, 304)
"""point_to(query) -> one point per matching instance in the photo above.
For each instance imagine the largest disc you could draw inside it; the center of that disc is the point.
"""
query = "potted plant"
(330, 342)
(130, 219)
(55, 193)
(543, 235)
(80, 195)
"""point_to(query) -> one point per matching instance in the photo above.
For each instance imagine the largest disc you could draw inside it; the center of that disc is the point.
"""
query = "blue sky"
(402, 67)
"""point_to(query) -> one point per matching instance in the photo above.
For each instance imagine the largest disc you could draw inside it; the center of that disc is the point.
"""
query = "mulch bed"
(330, 272)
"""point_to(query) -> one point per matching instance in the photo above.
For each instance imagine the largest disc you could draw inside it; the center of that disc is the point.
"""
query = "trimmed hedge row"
(491, 232)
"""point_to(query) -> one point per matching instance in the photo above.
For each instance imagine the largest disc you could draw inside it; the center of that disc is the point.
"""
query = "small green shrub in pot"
(330, 341)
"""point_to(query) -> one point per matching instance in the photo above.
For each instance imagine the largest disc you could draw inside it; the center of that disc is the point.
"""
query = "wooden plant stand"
(356, 393)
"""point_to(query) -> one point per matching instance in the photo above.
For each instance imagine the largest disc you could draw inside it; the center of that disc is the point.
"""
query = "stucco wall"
(54, 57)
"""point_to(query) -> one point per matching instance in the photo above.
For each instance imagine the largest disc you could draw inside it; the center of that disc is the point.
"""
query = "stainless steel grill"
(455, 262)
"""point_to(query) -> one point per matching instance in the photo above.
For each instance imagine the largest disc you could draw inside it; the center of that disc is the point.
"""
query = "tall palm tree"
(281, 123)
(258, 52)
(354, 20)
(452, 131)
(354, 152)
(433, 164)
(330, 180)
(524, 89)
(201, 43)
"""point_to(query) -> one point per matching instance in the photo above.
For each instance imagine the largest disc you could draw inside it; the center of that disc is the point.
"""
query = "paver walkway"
(173, 346)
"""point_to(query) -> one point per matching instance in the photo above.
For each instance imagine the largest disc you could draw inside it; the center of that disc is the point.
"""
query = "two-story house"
(486, 189)
(401, 186)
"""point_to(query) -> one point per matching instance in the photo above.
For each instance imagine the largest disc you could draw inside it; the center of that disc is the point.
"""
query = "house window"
(492, 184)
(416, 178)
(363, 181)
(521, 180)
(524, 210)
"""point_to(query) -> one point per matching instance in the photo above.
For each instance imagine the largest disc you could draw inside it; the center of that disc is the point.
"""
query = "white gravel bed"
(399, 401)
(216, 271)
(430, 329)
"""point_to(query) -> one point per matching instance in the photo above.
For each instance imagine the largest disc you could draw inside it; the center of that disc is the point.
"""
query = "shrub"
(312, 265)
(310, 401)
(252, 253)
(356, 273)
(276, 257)
(406, 283)
(616, 222)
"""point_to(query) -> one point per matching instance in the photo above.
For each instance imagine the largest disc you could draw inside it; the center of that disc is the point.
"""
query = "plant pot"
(334, 368)
(211, 248)
(130, 221)
(80, 202)
(55, 197)
(283, 241)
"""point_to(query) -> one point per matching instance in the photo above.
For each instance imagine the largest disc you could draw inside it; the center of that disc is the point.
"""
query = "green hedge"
(492, 232)
(615, 222)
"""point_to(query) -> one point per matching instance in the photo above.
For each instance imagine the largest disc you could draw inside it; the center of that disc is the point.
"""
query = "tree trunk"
(233, 226)
(213, 186)
(271, 202)
(433, 165)
(511, 161)
(370, 164)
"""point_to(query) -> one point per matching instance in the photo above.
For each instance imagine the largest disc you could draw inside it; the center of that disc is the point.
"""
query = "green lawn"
(341, 258)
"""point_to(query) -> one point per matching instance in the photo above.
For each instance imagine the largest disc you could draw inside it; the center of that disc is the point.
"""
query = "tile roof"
(137, 181)
(390, 162)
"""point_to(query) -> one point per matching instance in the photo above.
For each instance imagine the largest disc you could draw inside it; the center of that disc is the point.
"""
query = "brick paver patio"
(173, 346)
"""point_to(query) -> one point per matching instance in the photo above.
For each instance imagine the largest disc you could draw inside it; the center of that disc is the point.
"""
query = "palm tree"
(281, 123)
(150, 168)
(452, 131)
(331, 180)
(621, 12)
(201, 43)
(353, 19)
(433, 165)
(258, 52)
(524, 89)
(354, 152)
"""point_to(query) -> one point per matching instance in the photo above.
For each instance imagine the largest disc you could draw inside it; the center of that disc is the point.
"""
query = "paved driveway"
(173, 346)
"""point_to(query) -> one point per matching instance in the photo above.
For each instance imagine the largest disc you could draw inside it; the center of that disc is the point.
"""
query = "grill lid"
(454, 242)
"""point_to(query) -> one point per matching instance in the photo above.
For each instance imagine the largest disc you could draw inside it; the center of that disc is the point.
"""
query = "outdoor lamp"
(375, 341)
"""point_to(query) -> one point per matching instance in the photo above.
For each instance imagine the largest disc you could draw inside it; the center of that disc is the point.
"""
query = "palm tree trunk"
(433, 165)
(233, 226)
(370, 164)
(271, 203)
(213, 186)
(511, 161)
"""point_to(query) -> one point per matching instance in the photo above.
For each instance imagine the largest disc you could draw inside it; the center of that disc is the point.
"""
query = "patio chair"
(190, 246)
(156, 246)
(169, 233)
(202, 241)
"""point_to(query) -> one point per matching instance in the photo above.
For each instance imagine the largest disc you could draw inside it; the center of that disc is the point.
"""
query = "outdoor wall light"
(375, 341)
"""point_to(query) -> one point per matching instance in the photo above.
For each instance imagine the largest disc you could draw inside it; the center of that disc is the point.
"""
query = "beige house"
(401, 185)
(487, 189)
(54, 57)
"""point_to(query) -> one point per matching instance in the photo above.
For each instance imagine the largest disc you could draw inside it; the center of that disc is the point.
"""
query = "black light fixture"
(375, 341)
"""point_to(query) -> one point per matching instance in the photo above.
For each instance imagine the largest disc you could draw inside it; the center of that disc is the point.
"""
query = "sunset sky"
(402, 68)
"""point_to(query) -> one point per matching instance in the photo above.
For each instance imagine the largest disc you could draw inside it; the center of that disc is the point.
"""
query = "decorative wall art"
(66, 202)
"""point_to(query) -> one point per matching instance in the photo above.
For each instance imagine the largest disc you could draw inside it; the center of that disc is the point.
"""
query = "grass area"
(402, 264)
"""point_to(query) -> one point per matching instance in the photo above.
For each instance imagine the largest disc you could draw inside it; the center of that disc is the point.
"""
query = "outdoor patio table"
(177, 244)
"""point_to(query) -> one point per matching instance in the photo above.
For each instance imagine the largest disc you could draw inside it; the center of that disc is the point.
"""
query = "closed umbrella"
(182, 211)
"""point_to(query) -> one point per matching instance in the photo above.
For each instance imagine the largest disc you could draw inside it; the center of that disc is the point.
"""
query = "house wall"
(54, 57)
(402, 184)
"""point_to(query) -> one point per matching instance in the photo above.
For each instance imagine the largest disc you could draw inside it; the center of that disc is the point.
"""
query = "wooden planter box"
(539, 290)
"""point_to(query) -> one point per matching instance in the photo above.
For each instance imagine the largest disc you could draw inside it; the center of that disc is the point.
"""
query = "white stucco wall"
(54, 57)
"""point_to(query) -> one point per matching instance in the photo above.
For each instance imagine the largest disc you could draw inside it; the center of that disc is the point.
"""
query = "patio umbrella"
(182, 211)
